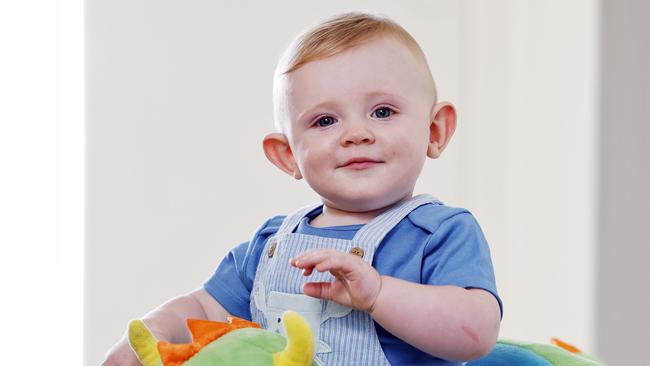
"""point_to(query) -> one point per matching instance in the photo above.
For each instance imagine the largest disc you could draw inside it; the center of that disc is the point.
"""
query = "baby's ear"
(277, 150)
(443, 125)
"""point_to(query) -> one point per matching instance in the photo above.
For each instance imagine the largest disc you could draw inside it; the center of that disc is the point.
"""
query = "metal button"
(357, 251)
(272, 249)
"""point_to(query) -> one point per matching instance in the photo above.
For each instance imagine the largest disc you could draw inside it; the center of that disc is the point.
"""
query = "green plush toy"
(513, 353)
(238, 342)
(241, 342)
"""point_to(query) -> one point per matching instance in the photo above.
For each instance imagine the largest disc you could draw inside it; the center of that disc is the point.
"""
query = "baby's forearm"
(168, 322)
(445, 321)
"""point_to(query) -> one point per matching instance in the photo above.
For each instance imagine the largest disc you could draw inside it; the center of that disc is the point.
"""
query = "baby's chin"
(364, 202)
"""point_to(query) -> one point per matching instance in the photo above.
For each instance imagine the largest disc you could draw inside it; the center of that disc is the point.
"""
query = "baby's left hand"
(356, 283)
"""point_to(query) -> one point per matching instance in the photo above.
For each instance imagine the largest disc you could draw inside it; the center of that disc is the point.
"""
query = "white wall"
(528, 79)
(179, 97)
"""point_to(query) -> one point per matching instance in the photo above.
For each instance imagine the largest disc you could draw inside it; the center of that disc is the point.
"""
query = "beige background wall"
(179, 98)
(623, 296)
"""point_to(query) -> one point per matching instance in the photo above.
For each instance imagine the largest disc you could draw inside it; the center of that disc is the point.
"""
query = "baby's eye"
(382, 112)
(325, 121)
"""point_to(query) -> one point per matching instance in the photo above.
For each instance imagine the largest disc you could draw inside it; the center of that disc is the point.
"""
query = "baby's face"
(358, 124)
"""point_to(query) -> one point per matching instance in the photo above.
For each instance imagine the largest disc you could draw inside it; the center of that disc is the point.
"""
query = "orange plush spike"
(176, 354)
(203, 333)
(242, 323)
(566, 346)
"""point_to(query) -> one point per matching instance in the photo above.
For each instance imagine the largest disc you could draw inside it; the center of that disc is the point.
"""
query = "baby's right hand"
(121, 355)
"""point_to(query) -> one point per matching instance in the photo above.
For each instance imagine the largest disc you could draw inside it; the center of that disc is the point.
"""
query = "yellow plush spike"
(143, 343)
(300, 342)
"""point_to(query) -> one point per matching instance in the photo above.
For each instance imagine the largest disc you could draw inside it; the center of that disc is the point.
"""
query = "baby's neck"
(332, 216)
(349, 218)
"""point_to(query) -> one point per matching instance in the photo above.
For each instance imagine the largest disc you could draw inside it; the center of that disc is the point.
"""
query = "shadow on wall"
(623, 297)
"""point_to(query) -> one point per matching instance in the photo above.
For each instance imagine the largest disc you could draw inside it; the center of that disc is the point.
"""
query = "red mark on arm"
(470, 333)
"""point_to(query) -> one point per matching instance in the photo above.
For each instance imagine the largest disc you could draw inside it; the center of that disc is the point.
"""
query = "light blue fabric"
(434, 244)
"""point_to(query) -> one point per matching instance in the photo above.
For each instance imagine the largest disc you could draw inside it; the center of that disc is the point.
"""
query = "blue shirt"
(434, 244)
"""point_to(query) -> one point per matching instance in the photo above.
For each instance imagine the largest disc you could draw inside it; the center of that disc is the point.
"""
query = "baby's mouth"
(360, 163)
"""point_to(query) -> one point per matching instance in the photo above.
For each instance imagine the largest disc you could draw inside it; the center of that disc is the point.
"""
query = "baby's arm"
(445, 321)
(168, 323)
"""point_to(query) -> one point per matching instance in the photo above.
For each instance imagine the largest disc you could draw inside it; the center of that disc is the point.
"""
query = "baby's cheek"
(400, 147)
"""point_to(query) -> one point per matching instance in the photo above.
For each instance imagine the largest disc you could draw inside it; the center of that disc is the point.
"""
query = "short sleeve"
(457, 254)
(232, 282)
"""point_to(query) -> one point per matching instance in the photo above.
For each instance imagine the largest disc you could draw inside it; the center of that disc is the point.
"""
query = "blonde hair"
(335, 35)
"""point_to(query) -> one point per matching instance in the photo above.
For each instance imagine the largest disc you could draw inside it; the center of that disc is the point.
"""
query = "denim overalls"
(343, 336)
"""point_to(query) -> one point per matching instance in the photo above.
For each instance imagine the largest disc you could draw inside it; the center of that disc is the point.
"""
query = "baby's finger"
(320, 290)
(313, 257)
(341, 263)
(308, 271)
(316, 253)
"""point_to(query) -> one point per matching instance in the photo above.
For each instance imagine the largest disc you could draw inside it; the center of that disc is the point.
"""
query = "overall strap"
(374, 232)
(292, 220)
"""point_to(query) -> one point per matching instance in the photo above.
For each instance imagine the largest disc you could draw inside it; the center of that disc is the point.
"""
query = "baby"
(382, 276)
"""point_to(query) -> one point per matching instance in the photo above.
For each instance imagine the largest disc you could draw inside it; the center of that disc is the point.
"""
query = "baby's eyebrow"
(392, 97)
(378, 94)
(325, 104)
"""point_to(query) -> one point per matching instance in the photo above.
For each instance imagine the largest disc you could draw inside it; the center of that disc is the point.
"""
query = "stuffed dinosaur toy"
(238, 342)
(241, 342)
(517, 353)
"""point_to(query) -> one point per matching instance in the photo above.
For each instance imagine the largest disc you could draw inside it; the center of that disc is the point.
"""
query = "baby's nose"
(356, 135)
